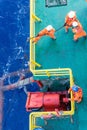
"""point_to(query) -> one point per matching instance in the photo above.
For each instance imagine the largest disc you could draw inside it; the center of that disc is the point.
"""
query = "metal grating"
(53, 3)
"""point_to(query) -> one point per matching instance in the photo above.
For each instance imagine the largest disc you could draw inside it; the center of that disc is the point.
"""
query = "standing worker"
(71, 17)
(48, 31)
(77, 93)
(78, 30)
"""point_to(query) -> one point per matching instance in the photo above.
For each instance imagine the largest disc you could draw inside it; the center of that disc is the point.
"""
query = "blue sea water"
(14, 30)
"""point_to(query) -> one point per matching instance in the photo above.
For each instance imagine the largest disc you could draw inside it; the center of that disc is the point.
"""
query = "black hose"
(60, 27)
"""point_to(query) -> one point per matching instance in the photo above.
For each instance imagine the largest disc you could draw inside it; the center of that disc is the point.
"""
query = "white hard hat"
(71, 14)
(74, 24)
(49, 27)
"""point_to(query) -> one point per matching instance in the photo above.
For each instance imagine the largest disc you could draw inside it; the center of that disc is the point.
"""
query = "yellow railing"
(52, 72)
(62, 72)
(33, 18)
(33, 63)
(32, 32)
(35, 115)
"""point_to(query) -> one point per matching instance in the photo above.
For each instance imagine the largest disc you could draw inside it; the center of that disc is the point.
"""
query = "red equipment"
(48, 101)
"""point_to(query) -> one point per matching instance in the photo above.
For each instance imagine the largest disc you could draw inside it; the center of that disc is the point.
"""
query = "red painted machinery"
(48, 101)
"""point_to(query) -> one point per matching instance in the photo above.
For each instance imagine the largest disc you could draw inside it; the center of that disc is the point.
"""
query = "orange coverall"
(77, 96)
(43, 33)
(78, 32)
(69, 22)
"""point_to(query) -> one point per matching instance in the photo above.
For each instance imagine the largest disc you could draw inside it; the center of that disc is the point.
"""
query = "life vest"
(69, 21)
(44, 32)
(78, 29)
(77, 95)
(78, 32)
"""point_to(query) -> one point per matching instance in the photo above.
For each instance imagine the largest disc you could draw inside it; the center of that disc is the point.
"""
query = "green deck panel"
(64, 52)
(63, 123)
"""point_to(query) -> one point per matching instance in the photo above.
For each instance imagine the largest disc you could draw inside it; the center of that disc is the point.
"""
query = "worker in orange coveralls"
(77, 93)
(78, 31)
(71, 17)
(48, 31)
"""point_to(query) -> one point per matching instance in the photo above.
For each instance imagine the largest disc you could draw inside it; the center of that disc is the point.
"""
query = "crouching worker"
(70, 17)
(48, 31)
(77, 93)
(78, 30)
